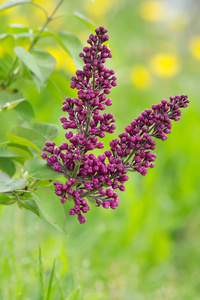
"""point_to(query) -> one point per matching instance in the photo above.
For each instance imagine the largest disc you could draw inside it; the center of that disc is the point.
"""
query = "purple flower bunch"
(90, 178)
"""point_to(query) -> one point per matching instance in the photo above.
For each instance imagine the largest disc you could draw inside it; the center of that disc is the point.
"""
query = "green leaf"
(7, 166)
(44, 183)
(62, 85)
(7, 199)
(10, 105)
(23, 149)
(17, 36)
(54, 92)
(8, 97)
(69, 42)
(3, 75)
(50, 207)
(21, 141)
(84, 20)
(13, 150)
(16, 28)
(39, 61)
(8, 184)
(31, 135)
(47, 130)
(5, 65)
(40, 85)
(4, 36)
(30, 205)
(72, 45)
(8, 43)
(25, 110)
(28, 60)
(4, 198)
(38, 169)
(11, 3)
(45, 61)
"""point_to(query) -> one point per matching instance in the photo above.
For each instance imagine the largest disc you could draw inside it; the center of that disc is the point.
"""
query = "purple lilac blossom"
(90, 178)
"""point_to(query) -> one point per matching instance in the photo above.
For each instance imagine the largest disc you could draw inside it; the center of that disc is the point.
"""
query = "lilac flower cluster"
(90, 178)
(136, 142)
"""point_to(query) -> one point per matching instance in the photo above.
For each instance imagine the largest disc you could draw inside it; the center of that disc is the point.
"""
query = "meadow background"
(148, 248)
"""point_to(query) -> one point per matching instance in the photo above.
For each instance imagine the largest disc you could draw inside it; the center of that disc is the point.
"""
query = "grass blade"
(50, 281)
(41, 273)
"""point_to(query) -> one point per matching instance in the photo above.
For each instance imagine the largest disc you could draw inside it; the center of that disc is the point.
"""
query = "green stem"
(93, 87)
(17, 198)
(93, 82)
(131, 154)
(15, 194)
(12, 71)
(87, 123)
(34, 183)
(76, 170)
(12, 67)
(77, 166)
(45, 24)
(133, 151)
(91, 192)
(40, 7)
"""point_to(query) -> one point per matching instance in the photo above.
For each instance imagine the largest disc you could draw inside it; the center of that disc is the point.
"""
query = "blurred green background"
(149, 247)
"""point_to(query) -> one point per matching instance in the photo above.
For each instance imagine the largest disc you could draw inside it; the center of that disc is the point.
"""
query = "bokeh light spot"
(195, 47)
(141, 77)
(153, 11)
(64, 61)
(165, 64)
(1, 51)
(19, 18)
(99, 8)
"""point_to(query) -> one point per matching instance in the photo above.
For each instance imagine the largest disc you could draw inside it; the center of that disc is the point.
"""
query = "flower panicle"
(94, 179)
(93, 84)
